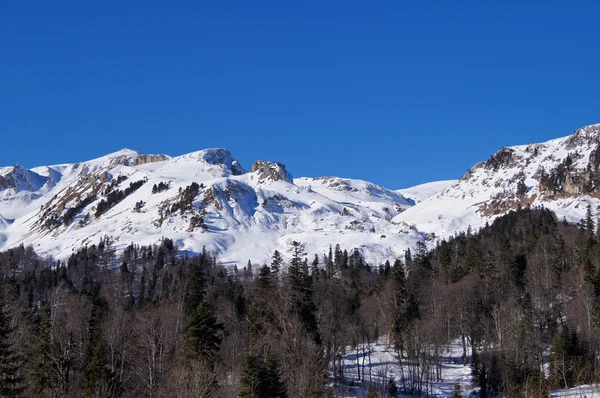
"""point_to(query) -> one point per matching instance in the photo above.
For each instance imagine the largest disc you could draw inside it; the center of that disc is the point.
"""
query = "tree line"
(521, 297)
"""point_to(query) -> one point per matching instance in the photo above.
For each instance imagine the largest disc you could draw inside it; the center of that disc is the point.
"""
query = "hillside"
(204, 198)
(207, 199)
(561, 174)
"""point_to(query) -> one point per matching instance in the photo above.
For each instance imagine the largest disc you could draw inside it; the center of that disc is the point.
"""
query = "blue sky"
(396, 92)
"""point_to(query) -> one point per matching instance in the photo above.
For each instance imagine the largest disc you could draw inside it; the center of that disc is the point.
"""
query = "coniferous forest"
(521, 296)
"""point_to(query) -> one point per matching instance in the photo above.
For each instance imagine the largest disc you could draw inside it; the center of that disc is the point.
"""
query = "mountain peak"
(216, 157)
(584, 135)
(274, 171)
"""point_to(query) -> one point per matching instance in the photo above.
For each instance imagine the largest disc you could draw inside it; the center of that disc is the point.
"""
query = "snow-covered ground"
(247, 215)
(487, 192)
(578, 392)
(384, 365)
(419, 193)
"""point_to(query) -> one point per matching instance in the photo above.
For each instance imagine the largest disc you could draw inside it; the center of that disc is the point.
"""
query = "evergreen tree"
(261, 314)
(204, 333)
(566, 355)
(314, 270)
(405, 309)
(196, 286)
(96, 364)
(261, 377)
(11, 380)
(387, 269)
(301, 287)
(330, 268)
(337, 257)
(590, 225)
(276, 263)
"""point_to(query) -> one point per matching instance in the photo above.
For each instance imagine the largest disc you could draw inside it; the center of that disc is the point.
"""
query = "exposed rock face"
(584, 135)
(273, 171)
(220, 156)
(143, 159)
(505, 157)
(22, 179)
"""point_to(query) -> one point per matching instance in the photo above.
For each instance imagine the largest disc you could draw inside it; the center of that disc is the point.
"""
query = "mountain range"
(207, 199)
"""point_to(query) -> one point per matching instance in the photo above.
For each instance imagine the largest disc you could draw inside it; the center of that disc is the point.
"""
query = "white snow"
(248, 215)
(385, 365)
(419, 193)
(462, 205)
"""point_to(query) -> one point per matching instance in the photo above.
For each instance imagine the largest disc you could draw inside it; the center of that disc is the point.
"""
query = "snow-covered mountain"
(207, 198)
(562, 174)
(204, 198)
(419, 193)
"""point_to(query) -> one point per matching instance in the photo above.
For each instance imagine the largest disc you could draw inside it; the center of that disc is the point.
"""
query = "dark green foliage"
(500, 159)
(197, 221)
(590, 225)
(186, 198)
(96, 362)
(114, 197)
(261, 377)
(160, 187)
(11, 377)
(42, 376)
(196, 285)
(301, 286)
(568, 358)
(392, 388)
(521, 189)
(73, 211)
(276, 263)
(204, 333)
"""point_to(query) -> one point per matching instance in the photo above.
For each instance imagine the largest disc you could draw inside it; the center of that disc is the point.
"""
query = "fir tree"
(195, 286)
(11, 381)
(204, 333)
(276, 262)
(302, 291)
(314, 270)
(261, 377)
(590, 225)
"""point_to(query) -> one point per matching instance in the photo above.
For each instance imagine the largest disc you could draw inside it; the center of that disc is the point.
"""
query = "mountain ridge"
(207, 199)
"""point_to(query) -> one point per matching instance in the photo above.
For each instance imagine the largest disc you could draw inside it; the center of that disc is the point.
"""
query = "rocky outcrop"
(273, 171)
(221, 157)
(143, 159)
(22, 179)
(584, 136)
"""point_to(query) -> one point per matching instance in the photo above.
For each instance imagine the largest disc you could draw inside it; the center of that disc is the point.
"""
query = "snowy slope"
(244, 215)
(240, 215)
(490, 189)
(419, 193)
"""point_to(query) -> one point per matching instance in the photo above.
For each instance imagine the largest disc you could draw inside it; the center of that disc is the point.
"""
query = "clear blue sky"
(396, 92)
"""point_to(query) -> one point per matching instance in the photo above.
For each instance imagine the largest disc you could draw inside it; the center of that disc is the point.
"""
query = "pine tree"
(40, 361)
(301, 287)
(96, 369)
(204, 333)
(314, 271)
(337, 257)
(405, 308)
(195, 287)
(590, 225)
(11, 381)
(261, 315)
(276, 262)
(261, 377)
(330, 268)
